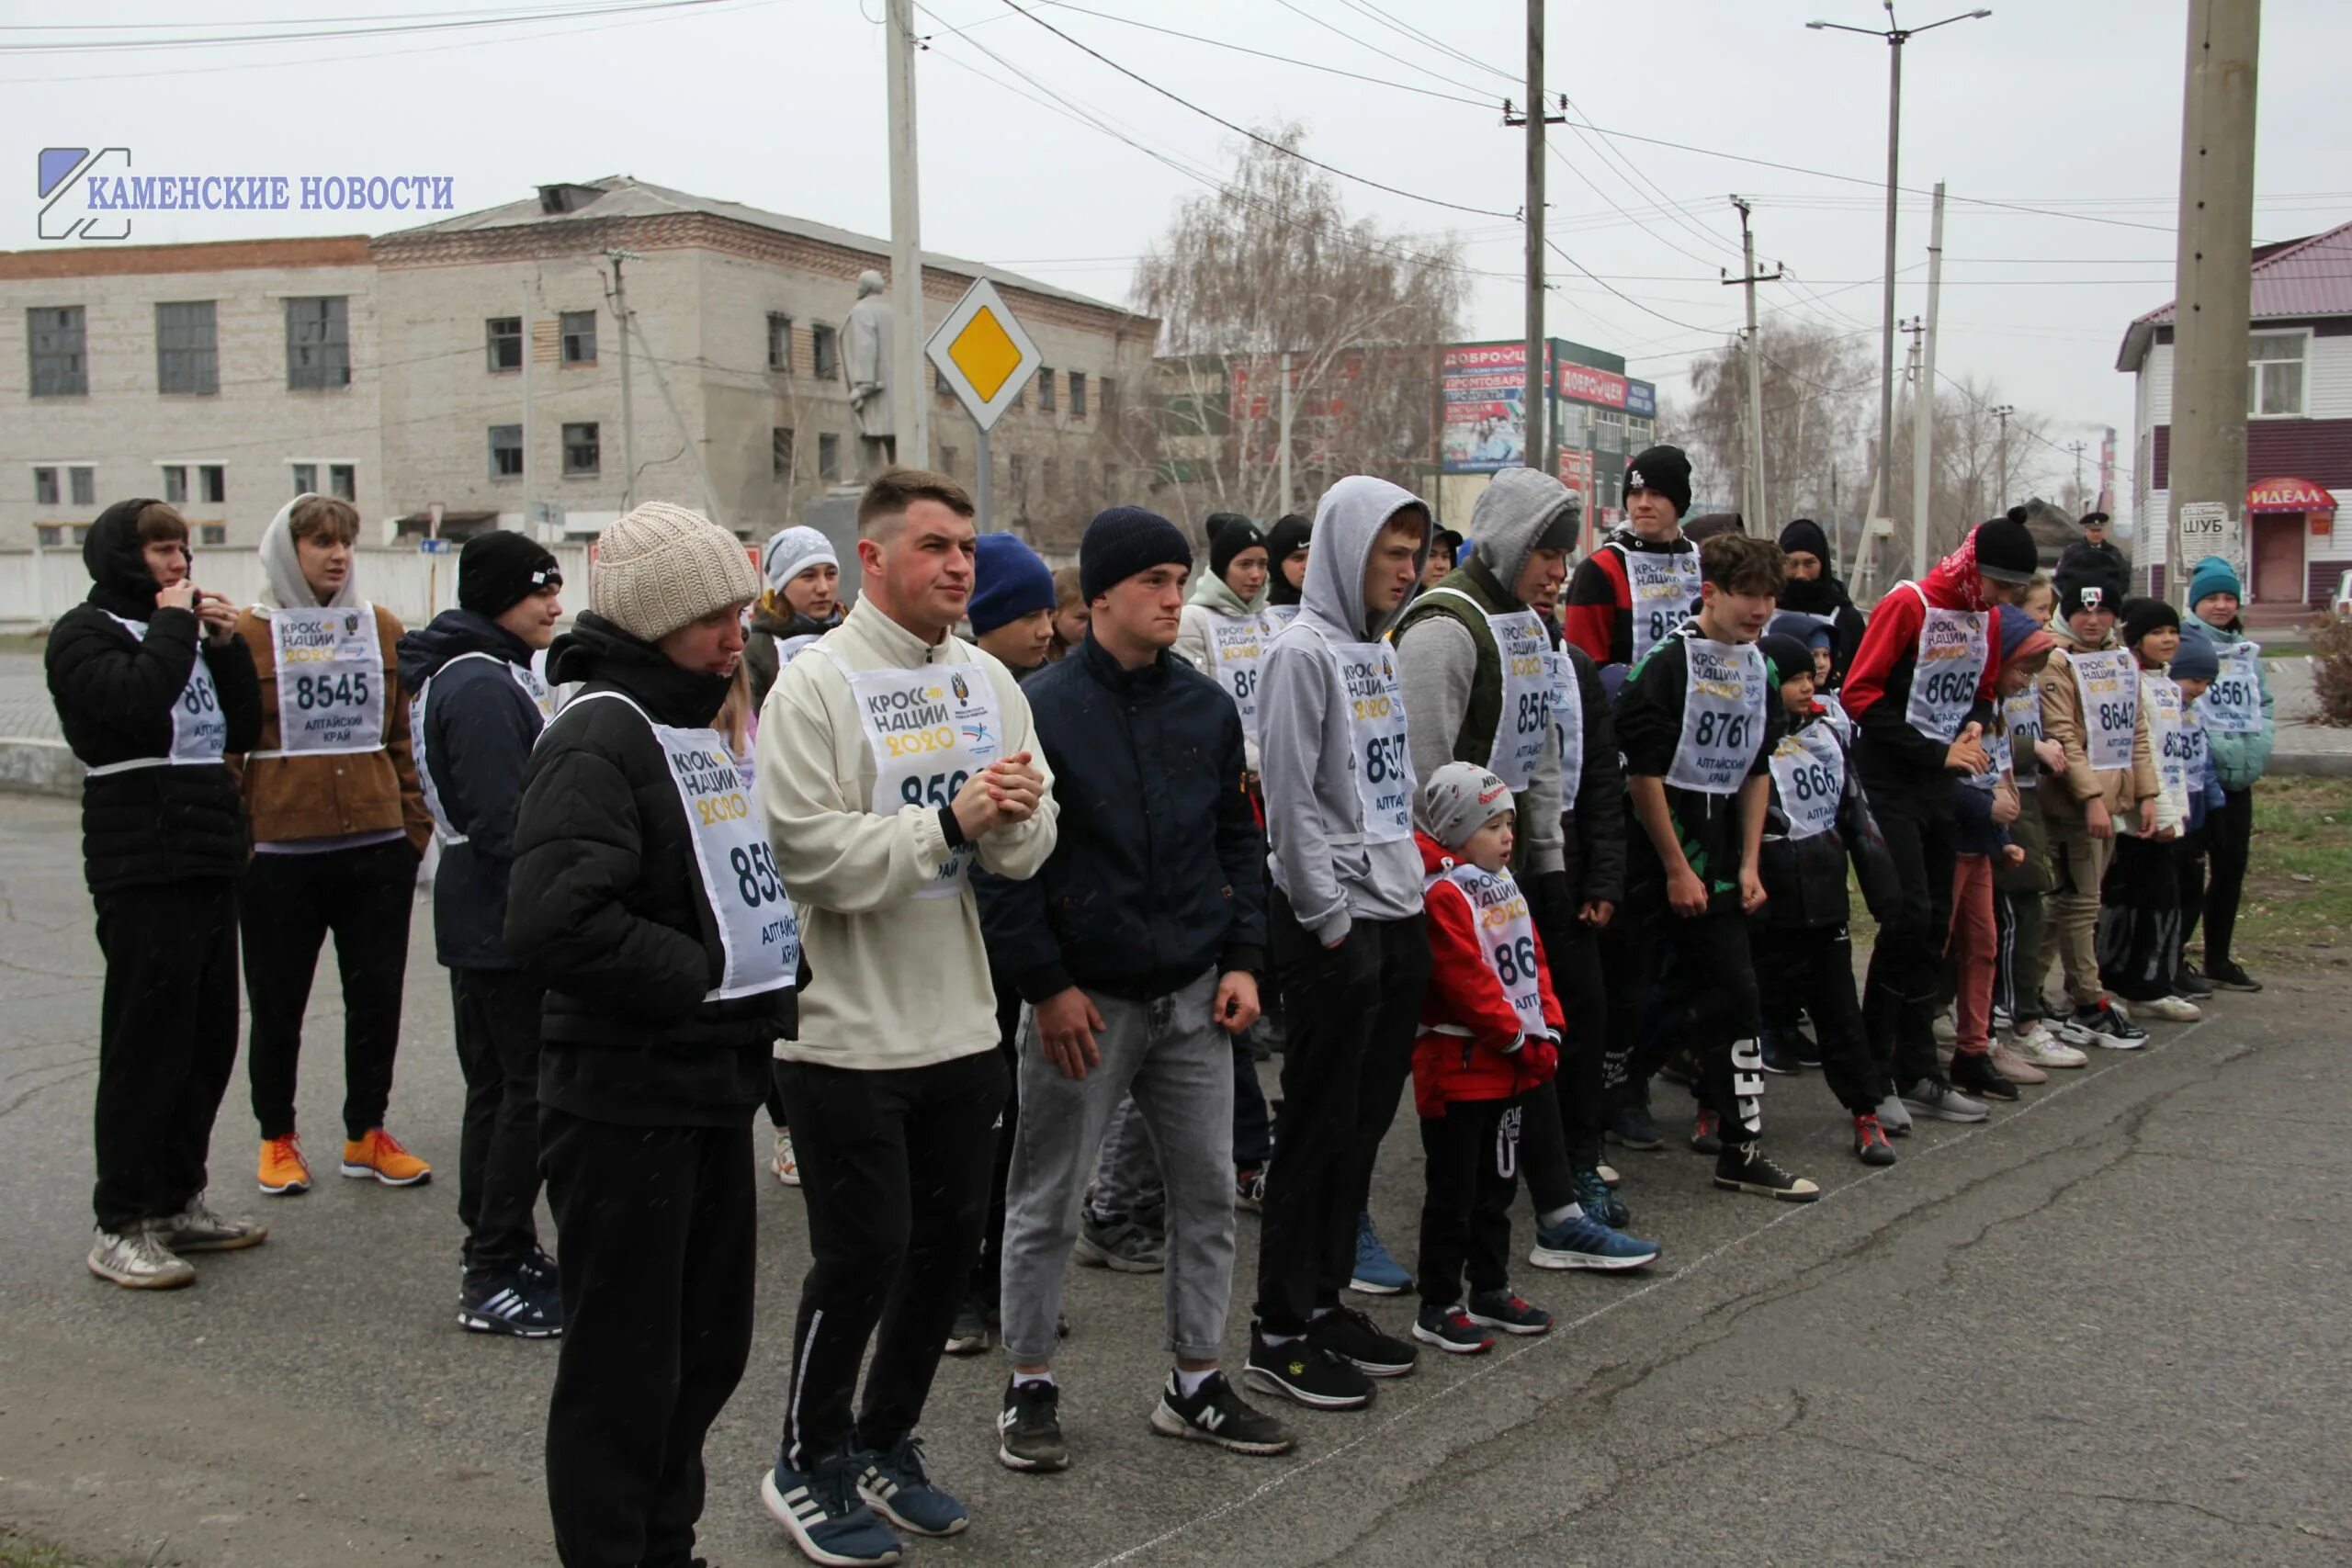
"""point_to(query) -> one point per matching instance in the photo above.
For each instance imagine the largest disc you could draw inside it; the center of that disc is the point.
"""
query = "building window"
(1046, 389)
(51, 534)
(582, 458)
(1078, 394)
(505, 451)
(318, 343)
(213, 533)
(505, 334)
(175, 483)
(187, 349)
(579, 337)
(81, 484)
(779, 341)
(342, 481)
(213, 484)
(780, 452)
(45, 487)
(2274, 375)
(823, 353)
(60, 368)
(306, 479)
(828, 458)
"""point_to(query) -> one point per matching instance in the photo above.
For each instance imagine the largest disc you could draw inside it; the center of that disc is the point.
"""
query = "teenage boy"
(892, 758)
(1819, 819)
(1697, 724)
(477, 713)
(1348, 940)
(2239, 732)
(1137, 947)
(1921, 695)
(1813, 591)
(152, 687)
(2090, 706)
(2139, 916)
(1629, 596)
(1012, 612)
(339, 828)
(799, 603)
(643, 894)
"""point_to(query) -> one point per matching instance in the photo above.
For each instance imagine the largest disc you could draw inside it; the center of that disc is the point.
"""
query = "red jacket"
(1877, 689)
(1475, 1062)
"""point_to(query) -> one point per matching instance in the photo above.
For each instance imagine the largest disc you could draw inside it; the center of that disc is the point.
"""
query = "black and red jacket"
(1877, 690)
(1598, 614)
(1487, 1055)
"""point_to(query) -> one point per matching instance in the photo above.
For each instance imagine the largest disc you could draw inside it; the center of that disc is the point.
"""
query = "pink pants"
(1973, 948)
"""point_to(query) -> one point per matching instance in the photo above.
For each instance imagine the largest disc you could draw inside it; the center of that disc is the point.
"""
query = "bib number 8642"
(938, 790)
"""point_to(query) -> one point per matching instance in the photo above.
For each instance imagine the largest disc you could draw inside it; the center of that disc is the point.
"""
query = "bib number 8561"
(939, 789)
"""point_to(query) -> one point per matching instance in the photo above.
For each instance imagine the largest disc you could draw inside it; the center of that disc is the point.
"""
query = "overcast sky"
(2069, 105)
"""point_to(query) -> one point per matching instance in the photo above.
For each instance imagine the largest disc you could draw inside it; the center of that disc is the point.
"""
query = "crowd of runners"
(996, 890)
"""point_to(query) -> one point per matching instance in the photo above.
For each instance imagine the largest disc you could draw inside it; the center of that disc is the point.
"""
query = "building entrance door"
(2278, 560)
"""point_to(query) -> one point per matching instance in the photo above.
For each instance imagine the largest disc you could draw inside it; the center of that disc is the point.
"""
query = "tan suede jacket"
(291, 798)
(2062, 720)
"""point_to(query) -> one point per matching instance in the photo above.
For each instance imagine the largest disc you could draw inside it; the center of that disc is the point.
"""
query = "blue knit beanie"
(1008, 581)
(2213, 575)
(1123, 541)
(2198, 658)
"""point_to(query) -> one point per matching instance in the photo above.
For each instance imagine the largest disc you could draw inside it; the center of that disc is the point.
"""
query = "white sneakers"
(782, 1162)
(136, 1260)
(2172, 1009)
(2038, 1047)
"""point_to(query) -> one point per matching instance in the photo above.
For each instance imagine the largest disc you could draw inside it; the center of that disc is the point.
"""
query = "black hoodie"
(606, 908)
(115, 693)
(1285, 539)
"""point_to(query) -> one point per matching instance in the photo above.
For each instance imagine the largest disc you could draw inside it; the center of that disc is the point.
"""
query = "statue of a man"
(866, 367)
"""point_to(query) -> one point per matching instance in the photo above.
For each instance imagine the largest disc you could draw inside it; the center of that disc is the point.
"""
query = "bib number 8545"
(330, 691)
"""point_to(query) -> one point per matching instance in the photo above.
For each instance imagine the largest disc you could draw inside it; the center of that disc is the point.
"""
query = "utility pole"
(1923, 400)
(530, 483)
(1536, 409)
(1285, 507)
(2001, 458)
(1754, 501)
(910, 416)
(2076, 448)
(628, 417)
(2210, 303)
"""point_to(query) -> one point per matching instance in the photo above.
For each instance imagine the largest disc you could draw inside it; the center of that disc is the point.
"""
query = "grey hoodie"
(1307, 756)
(281, 568)
(1439, 663)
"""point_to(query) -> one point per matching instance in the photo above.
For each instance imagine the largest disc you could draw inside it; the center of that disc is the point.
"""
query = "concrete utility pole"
(911, 413)
(2076, 448)
(1923, 400)
(530, 481)
(1285, 507)
(2211, 300)
(1536, 392)
(2001, 458)
(1753, 503)
(628, 415)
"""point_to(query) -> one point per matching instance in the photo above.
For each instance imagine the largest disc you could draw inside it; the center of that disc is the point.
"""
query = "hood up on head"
(1289, 536)
(1350, 518)
(118, 563)
(281, 567)
(1521, 510)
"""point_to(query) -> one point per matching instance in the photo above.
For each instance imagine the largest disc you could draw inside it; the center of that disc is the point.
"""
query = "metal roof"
(2293, 280)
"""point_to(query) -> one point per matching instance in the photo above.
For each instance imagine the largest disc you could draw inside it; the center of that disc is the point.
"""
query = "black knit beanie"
(2080, 591)
(1230, 534)
(2142, 616)
(1123, 541)
(1664, 469)
(2005, 549)
(499, 569)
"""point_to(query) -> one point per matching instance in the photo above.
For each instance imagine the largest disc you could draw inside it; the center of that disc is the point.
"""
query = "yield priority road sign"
(983, 353)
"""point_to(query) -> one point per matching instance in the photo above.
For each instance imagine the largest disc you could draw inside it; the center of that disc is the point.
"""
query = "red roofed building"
(2299, 426)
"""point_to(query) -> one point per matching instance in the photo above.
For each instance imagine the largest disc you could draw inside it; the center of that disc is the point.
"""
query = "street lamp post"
(1896, 36)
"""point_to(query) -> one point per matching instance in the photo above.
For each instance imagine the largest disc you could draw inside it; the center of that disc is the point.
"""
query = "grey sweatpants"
(1179, 1066)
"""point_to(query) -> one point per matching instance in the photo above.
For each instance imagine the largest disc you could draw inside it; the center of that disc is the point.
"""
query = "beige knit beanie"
(662, 567)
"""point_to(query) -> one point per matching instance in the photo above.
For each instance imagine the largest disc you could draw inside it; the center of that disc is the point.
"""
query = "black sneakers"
(1633, 1128)
(1975, 1072)
(2225, 975)
(1743, 1168)
(1352, 1337)
(1029, 1428)
(1706, 1133)
(1218, 1414)
(1301, 1370)
(1869, 1142)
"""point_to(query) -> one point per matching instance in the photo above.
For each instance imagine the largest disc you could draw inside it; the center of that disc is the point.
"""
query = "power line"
(392, 29)
(1671, 321)
(1359, 43)
(1427, 40)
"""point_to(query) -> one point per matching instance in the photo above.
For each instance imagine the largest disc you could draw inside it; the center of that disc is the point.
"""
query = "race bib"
(1568, 726)
(2167, 735)
(2000, 755)
(199, 729)
(2022, 715)
(1947, 667)
(1384, 768)
(1722, 717)
(791, 648)
(1663, 587)
(330, 681)
(2233, 704)
(1523, 725)
(1506, 939)
(419, 736)
(1280, 615)
(1809, 775)
(1834, 714)
(928, 730)
(2110, 687)
(2192, 726)
(1236, 654)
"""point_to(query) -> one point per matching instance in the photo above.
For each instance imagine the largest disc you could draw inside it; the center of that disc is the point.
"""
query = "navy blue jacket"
(1159, 870)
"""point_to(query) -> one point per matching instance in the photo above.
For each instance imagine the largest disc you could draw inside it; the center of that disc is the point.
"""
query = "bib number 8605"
(1949, 687)
(938, 790)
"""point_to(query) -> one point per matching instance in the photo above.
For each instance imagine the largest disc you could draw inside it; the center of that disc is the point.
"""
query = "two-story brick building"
(2298, 425)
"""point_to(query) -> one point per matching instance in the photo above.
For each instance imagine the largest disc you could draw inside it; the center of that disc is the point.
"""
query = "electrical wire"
(394, 30)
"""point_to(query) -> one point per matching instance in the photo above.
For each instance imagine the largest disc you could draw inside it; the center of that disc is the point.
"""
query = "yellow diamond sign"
(982, 353)
(985, 353)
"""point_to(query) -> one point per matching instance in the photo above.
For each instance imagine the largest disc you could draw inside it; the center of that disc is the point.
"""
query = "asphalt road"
(2109, 1326)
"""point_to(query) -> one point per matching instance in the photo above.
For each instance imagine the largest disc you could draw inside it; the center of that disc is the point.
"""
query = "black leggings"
(2229, 839)
(1473, 1155)
(1811, 972)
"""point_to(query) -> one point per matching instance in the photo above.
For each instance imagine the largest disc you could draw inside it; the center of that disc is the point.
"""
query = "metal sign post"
(985, 358)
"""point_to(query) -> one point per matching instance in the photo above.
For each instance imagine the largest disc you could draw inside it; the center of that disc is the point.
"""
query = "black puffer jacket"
(472, 743)
(1593, 825)
(762, 654)
(115, 694)
(606, 908)
(1805, 879)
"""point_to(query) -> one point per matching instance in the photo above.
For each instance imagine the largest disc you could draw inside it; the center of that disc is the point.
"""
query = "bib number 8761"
(937, 790)
(1728, 730)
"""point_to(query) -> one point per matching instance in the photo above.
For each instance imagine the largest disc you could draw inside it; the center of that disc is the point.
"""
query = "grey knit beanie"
(1459, 799)
(663, 567)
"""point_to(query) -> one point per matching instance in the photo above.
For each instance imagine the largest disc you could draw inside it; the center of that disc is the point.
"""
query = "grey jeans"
(1178, 1066)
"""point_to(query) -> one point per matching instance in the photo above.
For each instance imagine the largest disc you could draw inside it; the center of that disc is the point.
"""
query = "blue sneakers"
(899, 1489)
(1376, 1273)
(829, 1520)
(1594, 1196)
(1582, 1242)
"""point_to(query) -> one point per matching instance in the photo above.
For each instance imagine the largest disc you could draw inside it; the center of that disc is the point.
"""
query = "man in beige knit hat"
(644, 893)
(891, 756)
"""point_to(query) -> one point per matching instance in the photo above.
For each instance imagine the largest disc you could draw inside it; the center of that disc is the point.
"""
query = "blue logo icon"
(65, 215)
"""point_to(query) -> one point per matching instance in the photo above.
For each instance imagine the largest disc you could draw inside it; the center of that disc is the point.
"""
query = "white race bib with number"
(2233, 704)
(2000, 756)
(1946, 668)
(1523, 726)
(1506, 934)
(2022, 715)
(1236, 654)
(1722, 717)
(1809, 772)
(419, 736)
(1280, 615)
(330, 681)
(1834, 711)
(1383, 767)
(1663, 587)
(199, 729)
(1568, 726)
(2109, 684)
(930, 730)
(2168, 737)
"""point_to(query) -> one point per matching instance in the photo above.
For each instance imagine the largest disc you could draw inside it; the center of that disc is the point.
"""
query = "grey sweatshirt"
(1438, 661)
(1307, 756)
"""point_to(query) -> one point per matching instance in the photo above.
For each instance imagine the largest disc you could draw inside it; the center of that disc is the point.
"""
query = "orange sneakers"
(284, 1172)
(379, 1156)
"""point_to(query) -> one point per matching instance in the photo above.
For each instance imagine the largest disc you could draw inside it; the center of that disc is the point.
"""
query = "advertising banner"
(1485, 426)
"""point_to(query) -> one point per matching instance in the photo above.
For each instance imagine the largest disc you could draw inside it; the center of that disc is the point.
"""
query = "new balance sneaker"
(136, 1260)
(379, 1156)
(1895, 1116)
(1779, 1050)
(1450, 1330)
(2103, 1025)
(1250, 1189)
(1583, 1242)
(1505, 1310)
(896, 1485)
(1217, 1414)
(1706, 1133)
(1597, 1196)
(1353, 1338)
(1745, 1167)
(782, 1162)
(1633, 1128)
(512, 1303)
(2037, 1047)
(1939, 1100)
(2227, 975)
(1869, 1142)
(1376, 1273)
(969, 1335)
(2190, 984)
(829, 1520)
(1301, 1370)
(1120, 1245)
(1029, 1427)
(2014, 1068)
(283, 1171)
(198, 1229)
(1975, 1072)
(2172, 1009)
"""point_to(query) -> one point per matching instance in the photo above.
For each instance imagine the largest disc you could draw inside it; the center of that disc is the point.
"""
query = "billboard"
(1484, 427)
(1605, 389)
